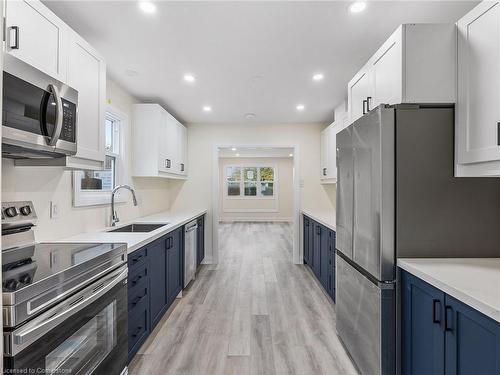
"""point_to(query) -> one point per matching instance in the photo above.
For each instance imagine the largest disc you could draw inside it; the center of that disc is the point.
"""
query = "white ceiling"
(248, 57)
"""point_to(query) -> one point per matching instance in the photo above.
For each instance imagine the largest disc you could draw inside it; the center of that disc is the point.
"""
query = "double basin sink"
(138, 228)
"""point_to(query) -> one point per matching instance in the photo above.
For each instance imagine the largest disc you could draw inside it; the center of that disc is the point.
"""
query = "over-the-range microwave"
(39, 113)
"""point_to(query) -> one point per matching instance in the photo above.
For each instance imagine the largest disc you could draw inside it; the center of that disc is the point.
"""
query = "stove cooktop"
(22, 267)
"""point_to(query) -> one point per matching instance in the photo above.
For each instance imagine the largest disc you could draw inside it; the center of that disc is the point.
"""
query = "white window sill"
(97, 198)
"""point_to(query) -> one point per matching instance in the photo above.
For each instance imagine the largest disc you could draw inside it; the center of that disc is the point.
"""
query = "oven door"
(85, 334)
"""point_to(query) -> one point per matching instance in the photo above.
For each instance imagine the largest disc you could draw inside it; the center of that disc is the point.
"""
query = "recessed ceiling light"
(318, 77)
(207, 108)
(357, 7)
(233, 149)
(290, 155)
(250, 116)
(147, 7)
(189, 78)
(131, 72)
(237, 154)
(300, 107)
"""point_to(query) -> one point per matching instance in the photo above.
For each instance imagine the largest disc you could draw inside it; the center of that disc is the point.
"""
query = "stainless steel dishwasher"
(190, 235)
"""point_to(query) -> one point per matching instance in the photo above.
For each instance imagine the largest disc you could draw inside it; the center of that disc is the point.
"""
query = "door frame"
(297, 257)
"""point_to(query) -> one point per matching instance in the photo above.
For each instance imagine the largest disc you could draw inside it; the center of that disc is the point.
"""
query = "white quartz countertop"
(137, 240)
(473, 281)
(326, 219)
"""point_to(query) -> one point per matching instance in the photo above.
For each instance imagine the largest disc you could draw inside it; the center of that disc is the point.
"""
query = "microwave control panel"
(68, 132)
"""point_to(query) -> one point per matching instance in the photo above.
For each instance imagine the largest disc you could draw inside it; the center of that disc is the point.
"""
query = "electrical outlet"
(54, 210)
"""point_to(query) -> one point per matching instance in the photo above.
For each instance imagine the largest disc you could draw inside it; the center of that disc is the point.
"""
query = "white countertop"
(137, 240)
(473, 281)
(326, 219)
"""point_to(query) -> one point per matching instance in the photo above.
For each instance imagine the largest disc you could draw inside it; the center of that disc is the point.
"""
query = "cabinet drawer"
(138, 297)
(137, 258)
(138, 274)
(137, 330)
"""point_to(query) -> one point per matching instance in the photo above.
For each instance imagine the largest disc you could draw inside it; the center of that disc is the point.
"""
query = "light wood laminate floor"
(254, 313)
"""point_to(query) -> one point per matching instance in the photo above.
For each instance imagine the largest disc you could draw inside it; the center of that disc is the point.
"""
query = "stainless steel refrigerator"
(397, 197)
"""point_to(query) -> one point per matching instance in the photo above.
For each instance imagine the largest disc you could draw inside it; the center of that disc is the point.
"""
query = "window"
(250, 181)
(94, 187)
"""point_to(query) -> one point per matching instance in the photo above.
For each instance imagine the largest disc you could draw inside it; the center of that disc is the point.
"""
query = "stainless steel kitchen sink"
(138, 227)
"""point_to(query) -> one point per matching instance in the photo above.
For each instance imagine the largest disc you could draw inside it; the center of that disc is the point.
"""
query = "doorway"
(256, 183)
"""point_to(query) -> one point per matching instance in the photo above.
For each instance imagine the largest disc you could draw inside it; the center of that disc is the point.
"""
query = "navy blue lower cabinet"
(330, 288)
(472, 341)
(325, 257)
(441, 335)
(158, 281)
(200, 241)
(423, 339)
(174, 266)
(308, 239)
(316, 250)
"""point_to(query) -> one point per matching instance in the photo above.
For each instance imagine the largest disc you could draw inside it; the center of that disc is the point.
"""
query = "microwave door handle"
(59, 116)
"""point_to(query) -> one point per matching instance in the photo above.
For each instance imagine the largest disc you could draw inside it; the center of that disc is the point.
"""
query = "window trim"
(258, 181)
(83, 198)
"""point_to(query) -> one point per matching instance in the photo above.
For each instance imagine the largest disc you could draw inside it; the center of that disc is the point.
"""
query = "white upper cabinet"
(478, 88)
(417, 64)
(328, 170)
(36, 36)
(87, 74)
(159, 143)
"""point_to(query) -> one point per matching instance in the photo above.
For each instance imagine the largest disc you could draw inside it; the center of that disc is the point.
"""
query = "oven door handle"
(59, 116)
(47, 321)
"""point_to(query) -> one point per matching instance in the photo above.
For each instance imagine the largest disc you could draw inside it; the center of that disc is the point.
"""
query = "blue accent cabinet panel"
(158, 281)
(422, 327)
(200, 241)
(316, 250)
(472, 341)
(308, 240)
(325, 255)
(441, 335)
(330, 288)
(174, 265)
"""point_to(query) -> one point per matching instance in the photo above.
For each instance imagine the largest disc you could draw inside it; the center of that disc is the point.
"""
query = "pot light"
(147, 7)
(250, 116)
(207, 108)
(300, 107)
(318, 77)
(189, 78)
(290, 155)
(357, 7)
(233, 149)
(237, 154)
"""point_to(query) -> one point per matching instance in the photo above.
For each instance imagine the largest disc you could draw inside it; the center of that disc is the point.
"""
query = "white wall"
(45, 184)
(277, 208)
(196, 192)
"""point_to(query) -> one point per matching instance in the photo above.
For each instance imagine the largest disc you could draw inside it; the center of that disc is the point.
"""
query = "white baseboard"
(255, 219)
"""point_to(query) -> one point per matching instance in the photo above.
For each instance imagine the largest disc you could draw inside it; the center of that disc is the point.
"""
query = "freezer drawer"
(366, 320)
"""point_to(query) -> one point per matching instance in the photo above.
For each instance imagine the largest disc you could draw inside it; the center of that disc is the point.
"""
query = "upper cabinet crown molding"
(417, 64)
(478, 92)
(159, 143)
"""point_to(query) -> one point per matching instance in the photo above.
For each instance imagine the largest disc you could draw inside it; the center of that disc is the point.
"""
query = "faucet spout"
(114, 216)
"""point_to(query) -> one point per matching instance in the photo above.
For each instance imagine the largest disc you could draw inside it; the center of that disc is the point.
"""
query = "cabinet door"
(422, 315)
(164, 159)
(387, 70)
(37, 36)
(359, 90)
(157, 275)
(472, 341)
(170, 145)
(87, 74)
(306, 246)
(182, 149)
(331, 266)
(324, 256)
(332, 152)
(324, 153)
(174, 265)
(478, 109)
(316, 251)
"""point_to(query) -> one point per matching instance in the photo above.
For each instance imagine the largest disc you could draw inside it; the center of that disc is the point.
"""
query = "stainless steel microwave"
(39, 113)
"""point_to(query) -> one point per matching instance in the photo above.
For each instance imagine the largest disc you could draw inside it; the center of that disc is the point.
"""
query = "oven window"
(86, 348)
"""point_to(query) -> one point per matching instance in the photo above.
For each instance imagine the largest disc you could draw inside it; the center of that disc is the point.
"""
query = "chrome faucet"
(114, 216)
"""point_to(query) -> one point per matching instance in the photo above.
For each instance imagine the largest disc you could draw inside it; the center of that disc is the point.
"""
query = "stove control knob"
(11, 284)
(25, 210)
(11, 211)
(25, 279)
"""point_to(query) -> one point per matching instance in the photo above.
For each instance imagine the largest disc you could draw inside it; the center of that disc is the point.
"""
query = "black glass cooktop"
(22, 267)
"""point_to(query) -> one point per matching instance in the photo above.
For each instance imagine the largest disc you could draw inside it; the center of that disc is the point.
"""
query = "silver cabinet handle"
(42, 325)
(16, 38)
(59, 116)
